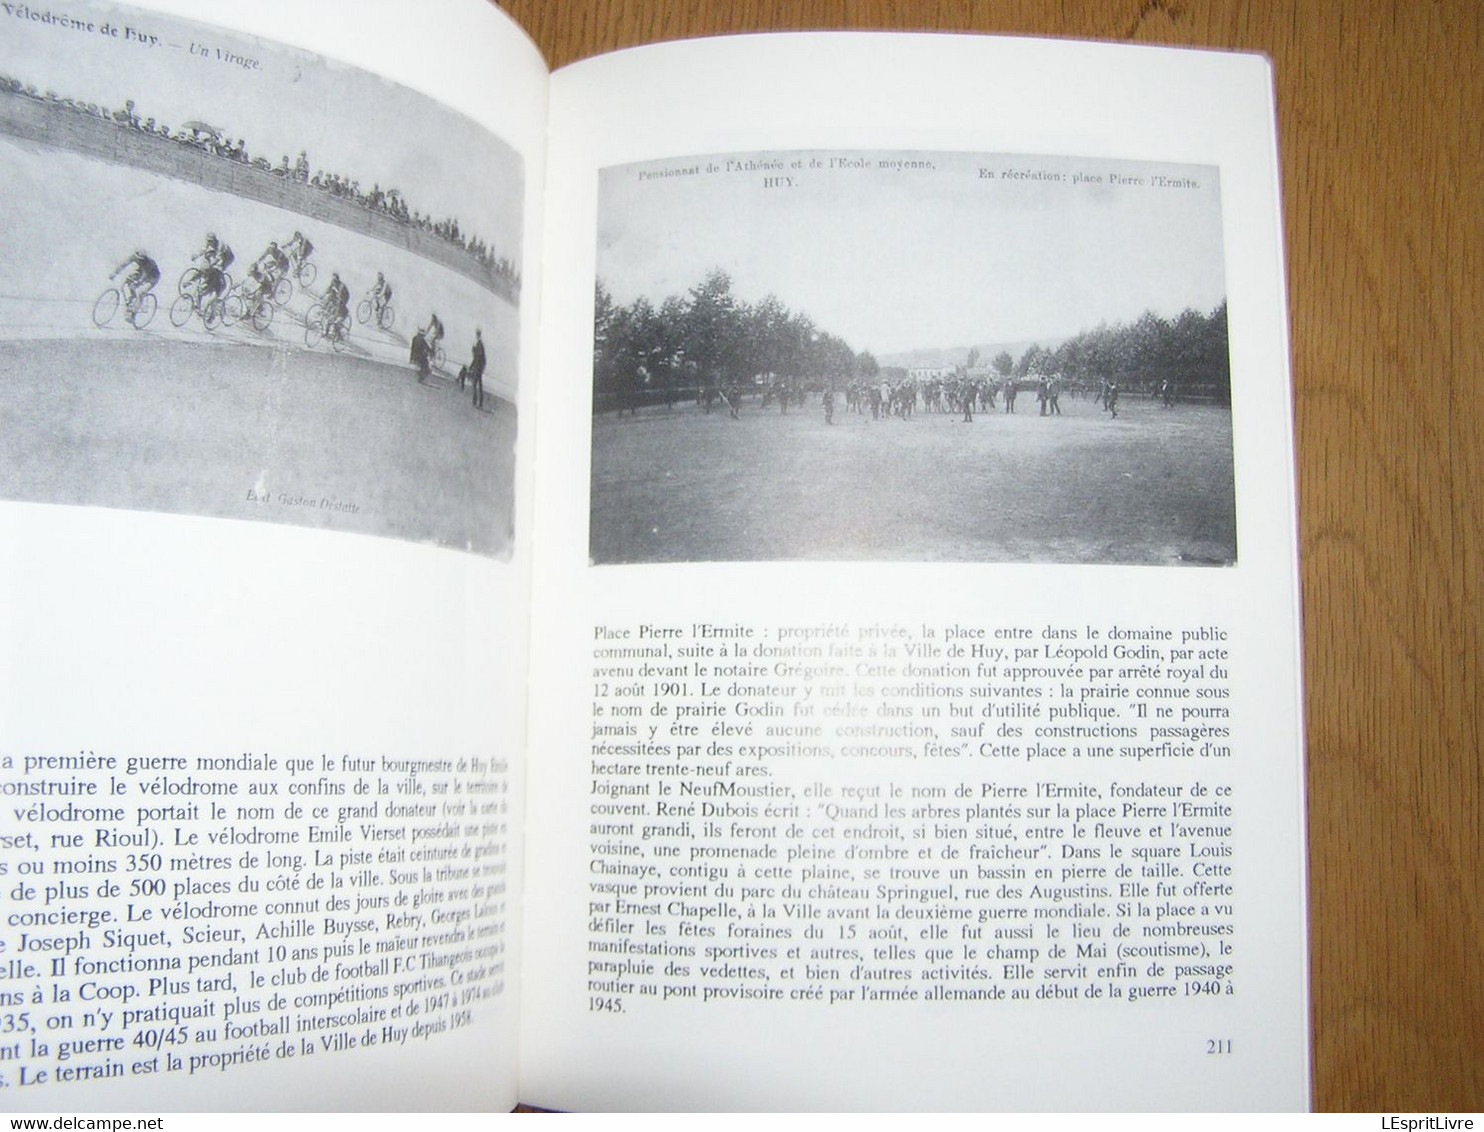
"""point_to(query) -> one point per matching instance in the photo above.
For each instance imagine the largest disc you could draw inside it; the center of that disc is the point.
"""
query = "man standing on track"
(476, 369)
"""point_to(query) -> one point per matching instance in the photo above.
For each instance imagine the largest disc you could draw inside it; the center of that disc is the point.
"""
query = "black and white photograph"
(250, 282)
(911, 356)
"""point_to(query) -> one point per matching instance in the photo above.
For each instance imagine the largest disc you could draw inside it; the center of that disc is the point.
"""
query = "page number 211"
(1218, 1045)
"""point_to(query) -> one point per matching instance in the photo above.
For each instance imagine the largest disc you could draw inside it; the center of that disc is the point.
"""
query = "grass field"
(133, 420)
(1153, 487)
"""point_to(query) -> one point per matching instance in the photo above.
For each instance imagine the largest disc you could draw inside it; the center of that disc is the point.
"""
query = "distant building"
(932, 373)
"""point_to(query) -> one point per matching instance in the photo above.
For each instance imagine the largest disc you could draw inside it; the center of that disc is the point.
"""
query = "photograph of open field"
(217, 305)
(1005, 488)
(911, 357)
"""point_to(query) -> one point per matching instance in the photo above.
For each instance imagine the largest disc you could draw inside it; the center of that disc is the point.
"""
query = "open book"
(754, 573)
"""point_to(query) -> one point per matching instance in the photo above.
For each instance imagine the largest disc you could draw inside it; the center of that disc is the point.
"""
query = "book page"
(268, 335)
(915, 686)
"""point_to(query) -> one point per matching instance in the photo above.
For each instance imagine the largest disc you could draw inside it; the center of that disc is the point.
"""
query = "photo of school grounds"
(906, 358)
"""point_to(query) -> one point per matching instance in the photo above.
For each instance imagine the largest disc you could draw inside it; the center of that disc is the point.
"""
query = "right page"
(915, 689)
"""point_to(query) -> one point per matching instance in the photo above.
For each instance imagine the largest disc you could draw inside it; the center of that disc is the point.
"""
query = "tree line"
(708, 339)
(1188, 351)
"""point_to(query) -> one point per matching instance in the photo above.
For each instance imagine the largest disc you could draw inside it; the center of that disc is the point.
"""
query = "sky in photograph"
(349, 121)
(903, 251)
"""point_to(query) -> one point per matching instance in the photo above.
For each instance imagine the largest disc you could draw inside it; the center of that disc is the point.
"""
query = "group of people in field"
(948, 395)
(904, 397)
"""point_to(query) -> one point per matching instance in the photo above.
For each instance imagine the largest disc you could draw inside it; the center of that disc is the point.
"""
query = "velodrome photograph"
(911, 356)
(249, 282)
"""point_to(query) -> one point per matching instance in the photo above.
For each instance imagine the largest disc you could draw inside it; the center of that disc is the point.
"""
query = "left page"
(265, 347)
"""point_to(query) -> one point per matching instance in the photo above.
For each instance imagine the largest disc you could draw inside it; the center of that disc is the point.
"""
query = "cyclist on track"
(142, 275)
(217, 252)
(337, 305)
(212, 262)
(433, 334)
(269, 268)
(381, 294)
(298, 249)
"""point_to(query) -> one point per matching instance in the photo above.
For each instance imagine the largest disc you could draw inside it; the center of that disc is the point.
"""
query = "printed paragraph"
(871, 813)
(191, 913)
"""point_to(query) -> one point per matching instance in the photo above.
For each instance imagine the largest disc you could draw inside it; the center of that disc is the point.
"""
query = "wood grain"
(1380, 106)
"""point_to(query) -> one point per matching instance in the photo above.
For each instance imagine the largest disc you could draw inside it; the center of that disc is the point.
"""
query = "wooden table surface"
(1379, 107)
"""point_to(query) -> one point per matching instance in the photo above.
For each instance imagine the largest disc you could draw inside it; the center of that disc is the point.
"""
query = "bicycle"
(193, 278)
(139, 307)
(305, 272)
(197, 296)
(205, 304)
(436, 354)
(279, 290)
(318, 327)
(383, 312)
(254, 304)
